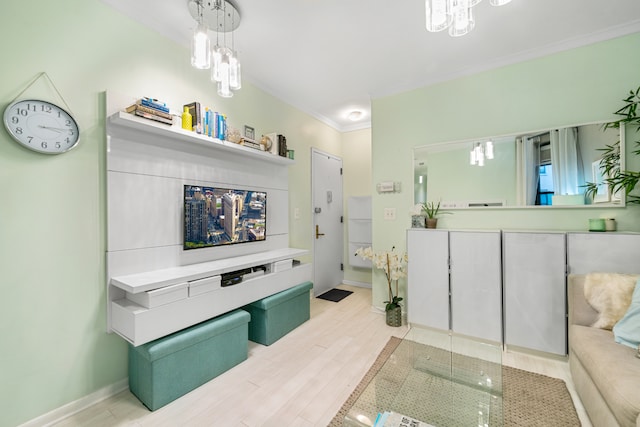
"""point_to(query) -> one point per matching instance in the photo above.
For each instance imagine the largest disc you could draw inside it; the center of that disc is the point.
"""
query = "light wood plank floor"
(299, 381)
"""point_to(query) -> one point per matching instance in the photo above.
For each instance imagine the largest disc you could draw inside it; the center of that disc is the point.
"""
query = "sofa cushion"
(627, 330)
(612, 367)
(610, 295)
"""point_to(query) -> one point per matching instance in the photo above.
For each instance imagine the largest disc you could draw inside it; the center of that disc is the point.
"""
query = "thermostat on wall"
(388, 187)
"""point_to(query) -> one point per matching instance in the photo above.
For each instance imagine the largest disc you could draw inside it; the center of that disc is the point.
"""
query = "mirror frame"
(457, 144)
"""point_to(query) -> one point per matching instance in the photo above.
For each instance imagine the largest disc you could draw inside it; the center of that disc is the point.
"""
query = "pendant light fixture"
(480, 152)
(200, 44)
(222, 17)
(456, 15)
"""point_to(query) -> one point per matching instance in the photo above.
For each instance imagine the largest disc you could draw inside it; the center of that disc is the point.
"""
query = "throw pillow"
(627, 330)
(610, 295)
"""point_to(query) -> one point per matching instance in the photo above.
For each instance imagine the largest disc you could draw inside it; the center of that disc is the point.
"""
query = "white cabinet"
(534, 291)
(476, 284)
(455, 281)
(428, 278)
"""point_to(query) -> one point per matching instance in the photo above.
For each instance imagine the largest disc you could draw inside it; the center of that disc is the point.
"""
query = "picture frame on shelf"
(249, 133)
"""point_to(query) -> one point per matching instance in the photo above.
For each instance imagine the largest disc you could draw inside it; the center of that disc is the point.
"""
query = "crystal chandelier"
(479, 152)
(457, 15)
(222, 17)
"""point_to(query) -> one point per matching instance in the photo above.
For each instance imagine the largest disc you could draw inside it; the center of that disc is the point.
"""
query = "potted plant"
(394, 266)
(615, 178)
(431, 211)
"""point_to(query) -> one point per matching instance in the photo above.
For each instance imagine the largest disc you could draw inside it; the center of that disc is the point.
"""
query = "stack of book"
(151, 109)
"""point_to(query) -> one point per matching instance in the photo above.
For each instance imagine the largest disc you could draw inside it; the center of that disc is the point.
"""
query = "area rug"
(528, 399)
(335, 295)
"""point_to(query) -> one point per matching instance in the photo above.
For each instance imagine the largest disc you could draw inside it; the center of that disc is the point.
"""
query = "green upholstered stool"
(167, 368)
(275, 316)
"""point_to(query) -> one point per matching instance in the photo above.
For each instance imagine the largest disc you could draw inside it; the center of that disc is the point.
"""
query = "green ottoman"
(275, 316)
(167, 368)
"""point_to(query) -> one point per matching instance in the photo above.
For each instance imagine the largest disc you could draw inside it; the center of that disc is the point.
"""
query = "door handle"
(318, 233)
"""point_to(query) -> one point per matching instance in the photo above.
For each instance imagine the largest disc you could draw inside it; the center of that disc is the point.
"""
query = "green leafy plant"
(394, 266)
(615, 178)
(432, 210)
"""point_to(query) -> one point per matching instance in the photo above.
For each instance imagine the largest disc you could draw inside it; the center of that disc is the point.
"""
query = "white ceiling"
(329, 57)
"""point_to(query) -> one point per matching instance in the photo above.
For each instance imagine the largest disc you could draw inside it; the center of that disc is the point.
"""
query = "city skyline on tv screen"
(221, 216)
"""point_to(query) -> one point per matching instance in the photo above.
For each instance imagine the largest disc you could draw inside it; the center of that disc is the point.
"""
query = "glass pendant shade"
(224, 87)
(463, 21)
(216, 59)
(488, 150)
(201, 48)
(234, 73)
(438, 15)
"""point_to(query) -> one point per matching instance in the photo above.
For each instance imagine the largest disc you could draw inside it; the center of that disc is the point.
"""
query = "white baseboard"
(76, 406)
(358, 284)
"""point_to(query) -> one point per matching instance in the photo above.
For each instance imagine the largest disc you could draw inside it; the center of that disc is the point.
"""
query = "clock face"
(41, 126)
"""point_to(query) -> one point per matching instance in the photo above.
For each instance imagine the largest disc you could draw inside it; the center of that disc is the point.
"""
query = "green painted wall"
(52, 210)
(577, 86)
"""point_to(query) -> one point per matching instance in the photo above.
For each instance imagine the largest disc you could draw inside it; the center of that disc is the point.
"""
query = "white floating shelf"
(175, 137)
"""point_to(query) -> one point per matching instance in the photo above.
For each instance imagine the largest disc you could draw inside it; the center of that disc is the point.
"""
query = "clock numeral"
(67, 122)
(31, 107)
(58, 145)
(30, 138)
(46, 108)
(44, 144)
(22, 111)
(19, 130)
(15, 120)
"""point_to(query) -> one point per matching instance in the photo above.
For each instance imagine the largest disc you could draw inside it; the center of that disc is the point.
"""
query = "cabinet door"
(428, 278)
(476, 284)
(534, 290)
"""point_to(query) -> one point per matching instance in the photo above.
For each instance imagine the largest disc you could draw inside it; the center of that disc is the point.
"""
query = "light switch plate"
(389, 214)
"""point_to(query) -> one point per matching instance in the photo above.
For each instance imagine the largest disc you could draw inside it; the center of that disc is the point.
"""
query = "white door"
(326, 189)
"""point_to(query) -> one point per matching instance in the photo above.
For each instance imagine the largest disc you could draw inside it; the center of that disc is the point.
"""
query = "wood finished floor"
(299, 381)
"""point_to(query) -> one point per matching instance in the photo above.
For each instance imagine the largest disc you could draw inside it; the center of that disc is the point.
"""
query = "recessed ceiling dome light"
(354, 115)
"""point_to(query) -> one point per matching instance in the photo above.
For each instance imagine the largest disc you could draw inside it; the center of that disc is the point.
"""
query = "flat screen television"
(216, 216)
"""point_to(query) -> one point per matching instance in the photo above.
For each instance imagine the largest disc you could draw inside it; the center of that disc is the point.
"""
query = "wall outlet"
(389, 214)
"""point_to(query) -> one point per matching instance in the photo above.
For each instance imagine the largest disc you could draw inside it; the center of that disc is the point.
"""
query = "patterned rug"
(519, 398)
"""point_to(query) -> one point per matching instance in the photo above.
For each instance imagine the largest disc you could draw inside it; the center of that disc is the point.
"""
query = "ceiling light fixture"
(222, 17)
(354, 115)
(457, 15)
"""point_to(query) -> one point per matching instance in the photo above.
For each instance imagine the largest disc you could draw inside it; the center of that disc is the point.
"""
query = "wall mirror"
(546, 168)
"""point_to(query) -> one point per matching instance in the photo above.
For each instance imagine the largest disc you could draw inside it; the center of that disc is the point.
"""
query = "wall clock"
(41, 126)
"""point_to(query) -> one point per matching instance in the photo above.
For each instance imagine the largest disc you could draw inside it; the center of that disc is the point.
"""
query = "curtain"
(528, 161)
(566, 162)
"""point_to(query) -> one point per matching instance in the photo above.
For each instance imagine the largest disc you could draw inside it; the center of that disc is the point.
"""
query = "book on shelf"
(155, 117)
(154, 103)
(137, 107)
(394, 419)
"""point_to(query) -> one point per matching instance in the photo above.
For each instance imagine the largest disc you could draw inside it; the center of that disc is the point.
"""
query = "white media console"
(174, 298)
(154, 286)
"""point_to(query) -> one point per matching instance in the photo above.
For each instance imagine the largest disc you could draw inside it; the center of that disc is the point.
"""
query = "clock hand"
(52, 128)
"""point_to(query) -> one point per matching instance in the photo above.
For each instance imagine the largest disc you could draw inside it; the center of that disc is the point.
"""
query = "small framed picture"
(249, 132)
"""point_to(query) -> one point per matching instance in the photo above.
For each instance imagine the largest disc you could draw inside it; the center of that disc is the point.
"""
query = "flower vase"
(394, 316)
(431, 222)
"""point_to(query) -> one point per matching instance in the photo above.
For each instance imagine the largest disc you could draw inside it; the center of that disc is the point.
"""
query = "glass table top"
(438, 378)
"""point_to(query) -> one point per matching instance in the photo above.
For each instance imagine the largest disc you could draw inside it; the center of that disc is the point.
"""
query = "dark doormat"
(335, 295)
